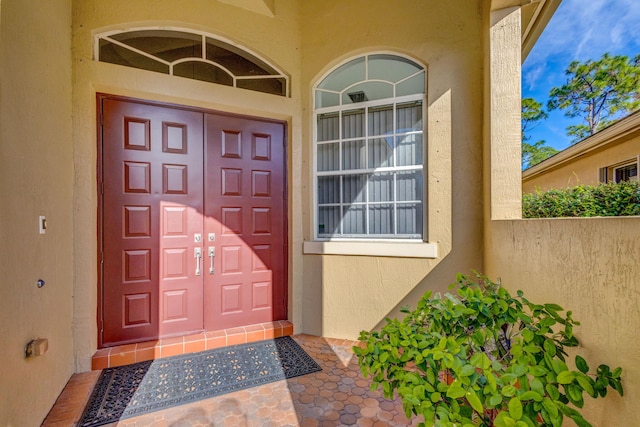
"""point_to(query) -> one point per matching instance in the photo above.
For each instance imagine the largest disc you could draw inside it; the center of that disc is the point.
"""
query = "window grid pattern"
(369, 159)
(370, 172)
(199, 64)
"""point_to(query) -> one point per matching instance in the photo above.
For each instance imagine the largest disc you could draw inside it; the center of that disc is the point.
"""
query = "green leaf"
(617, 373)
(559, 366)
(531, 395)
(538, 371)
(566, 377)
(456, 391)
(480, 360)
(495, 400)
(474, 401)
(617, 384)
(586, 384)
(550, 407)
(467, 371)
(553, 391)
(574, 394)
(515, 408)
(509, 391)
(581, 364)
(504, 420)
(553, 307)
(550, 348)
(435, 397)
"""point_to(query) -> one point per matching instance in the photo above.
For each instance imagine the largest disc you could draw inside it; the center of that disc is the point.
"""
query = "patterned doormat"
(127, 391)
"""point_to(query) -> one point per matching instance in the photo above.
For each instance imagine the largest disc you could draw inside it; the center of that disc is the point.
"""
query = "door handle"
(212, 253)
(197, 253)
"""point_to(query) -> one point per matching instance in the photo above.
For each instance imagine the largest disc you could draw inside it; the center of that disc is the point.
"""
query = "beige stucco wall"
(584, 170)
(36, 178)
(346, 294)
(589, 266)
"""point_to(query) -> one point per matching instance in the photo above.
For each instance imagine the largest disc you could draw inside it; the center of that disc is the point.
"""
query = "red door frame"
(100, 186)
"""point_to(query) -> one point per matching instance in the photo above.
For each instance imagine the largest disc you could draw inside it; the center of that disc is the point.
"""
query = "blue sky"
(579, 30)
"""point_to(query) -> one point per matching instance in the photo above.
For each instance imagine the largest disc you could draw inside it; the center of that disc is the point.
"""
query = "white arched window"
(191, 54)
(369, 150)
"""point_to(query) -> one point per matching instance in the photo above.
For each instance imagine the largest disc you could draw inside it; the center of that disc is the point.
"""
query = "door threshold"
(166, 347)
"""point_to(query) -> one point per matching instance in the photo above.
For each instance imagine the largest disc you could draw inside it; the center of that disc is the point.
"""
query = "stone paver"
(336, 396)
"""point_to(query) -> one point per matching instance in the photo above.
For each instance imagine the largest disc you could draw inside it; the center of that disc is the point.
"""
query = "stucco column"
(503, 174)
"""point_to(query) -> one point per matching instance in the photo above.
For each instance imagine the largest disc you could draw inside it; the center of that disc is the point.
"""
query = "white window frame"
(376, 245)
(250, 55)
(624, 165)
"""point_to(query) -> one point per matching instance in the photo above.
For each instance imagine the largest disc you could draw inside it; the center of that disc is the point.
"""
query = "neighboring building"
(211, 164)
(611, 155)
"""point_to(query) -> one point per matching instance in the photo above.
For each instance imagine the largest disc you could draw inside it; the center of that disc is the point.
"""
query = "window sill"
(384, 248)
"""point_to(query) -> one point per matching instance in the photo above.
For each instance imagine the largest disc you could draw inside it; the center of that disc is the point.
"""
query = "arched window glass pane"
(327, 99)
(167, 45)
(391, 68)
(345, 75)
(234, 60)
(412, 85)
(202, 71)
(119, 55)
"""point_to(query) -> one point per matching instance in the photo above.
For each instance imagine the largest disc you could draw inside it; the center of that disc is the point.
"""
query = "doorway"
(192, 221)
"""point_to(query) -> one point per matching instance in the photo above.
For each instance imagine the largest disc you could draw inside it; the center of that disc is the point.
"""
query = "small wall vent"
(357, 97)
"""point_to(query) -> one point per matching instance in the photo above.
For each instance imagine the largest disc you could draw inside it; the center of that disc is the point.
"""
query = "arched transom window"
(190, 54)
(369, 150)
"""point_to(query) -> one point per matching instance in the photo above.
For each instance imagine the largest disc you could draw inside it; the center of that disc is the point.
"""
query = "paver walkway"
(336, 396)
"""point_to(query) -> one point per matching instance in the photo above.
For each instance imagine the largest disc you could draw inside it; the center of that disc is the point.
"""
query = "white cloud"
(532, 76)
(582, 30)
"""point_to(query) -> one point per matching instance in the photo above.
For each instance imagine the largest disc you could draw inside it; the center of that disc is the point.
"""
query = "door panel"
(152, 209)
(245, 209)
(193, 221)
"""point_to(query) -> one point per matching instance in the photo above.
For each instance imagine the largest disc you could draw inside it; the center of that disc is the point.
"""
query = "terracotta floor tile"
(171, 350)
(215, 342)
(122, 358)
(195, 346)
(237, 338)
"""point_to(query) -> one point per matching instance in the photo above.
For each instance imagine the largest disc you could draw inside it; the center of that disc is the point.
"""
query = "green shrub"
(621, 199)
(480, 357)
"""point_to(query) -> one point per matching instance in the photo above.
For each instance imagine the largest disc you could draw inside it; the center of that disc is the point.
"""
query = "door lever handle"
(197, 253)
(212, 253)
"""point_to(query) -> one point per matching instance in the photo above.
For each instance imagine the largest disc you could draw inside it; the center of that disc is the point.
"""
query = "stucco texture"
(589, 266)
(36, 178)
(346, 294)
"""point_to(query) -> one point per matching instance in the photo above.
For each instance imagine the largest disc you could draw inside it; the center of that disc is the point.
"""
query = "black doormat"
(127, 391)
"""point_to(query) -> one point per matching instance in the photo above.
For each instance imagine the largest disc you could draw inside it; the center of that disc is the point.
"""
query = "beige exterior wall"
(589, 266)
(346, 294)
(583, 169)
(36, 178)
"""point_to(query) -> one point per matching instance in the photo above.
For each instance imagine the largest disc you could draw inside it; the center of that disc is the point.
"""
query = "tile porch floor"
(336, 396)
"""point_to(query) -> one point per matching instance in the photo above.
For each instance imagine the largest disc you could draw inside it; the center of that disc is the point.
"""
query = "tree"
(532, 115)
(599, 92)
(532, 154)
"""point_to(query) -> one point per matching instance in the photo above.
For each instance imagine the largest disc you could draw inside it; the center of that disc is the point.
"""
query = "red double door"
(193, 232)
